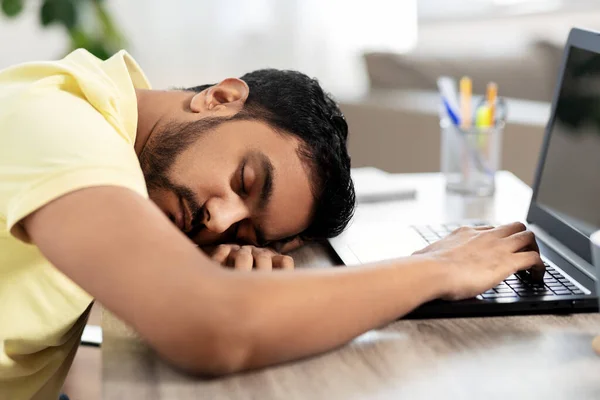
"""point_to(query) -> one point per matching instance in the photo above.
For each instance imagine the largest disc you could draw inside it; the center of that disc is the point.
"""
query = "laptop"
(563, 212)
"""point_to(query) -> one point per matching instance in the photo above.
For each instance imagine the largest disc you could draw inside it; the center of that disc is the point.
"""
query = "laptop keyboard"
(515, 286)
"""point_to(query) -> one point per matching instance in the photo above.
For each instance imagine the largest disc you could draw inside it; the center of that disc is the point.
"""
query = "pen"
(466, 90)
(483, 116)
(491, 96)
(451, 114)
(447, 88)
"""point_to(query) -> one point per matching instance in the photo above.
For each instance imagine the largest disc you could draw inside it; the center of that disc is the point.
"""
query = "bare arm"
(122, 250)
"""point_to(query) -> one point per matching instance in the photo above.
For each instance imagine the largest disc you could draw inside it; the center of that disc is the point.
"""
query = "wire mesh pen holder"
(470, 158)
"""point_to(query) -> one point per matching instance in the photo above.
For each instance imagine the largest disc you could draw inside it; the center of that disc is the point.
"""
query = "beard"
(160, 153)
(165, 145)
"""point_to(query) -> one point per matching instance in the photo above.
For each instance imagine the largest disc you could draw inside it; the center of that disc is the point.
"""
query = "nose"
(221, 214)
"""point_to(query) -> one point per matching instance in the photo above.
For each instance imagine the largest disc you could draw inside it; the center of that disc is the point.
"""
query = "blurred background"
(379, 58)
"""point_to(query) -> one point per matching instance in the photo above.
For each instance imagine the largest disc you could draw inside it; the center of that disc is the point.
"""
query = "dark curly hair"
(292, 103)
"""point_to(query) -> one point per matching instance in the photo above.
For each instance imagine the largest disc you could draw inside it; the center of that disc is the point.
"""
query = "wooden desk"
(534, 357)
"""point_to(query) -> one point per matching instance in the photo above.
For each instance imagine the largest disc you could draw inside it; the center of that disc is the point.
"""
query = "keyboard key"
(535, 294)
(571, 285)
(498, 295)
(504, 290)
(562, 291)
(555, 285)
(578, 291)
(532, 290)
(524, 289)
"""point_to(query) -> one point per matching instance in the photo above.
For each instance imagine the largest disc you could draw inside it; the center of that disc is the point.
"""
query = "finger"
(530, 260)
(221, 253)
(522, 241)
(509, 229)
(233, 254)
(263, 262)
(469, 229)
(258, 251)
(230, 261)
(283, 262)
(243, 259)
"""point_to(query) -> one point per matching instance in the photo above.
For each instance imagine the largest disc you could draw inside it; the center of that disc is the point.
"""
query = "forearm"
(284, 316)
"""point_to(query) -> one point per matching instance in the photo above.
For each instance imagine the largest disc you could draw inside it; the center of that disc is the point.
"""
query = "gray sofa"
(529, 74)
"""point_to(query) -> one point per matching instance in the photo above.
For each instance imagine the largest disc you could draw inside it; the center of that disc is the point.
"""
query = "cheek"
(200, 168)
(291, 211)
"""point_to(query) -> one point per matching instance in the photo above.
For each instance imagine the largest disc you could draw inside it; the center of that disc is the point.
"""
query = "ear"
(230, 93)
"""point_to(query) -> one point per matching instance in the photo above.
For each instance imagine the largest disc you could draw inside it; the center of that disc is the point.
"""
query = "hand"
(246, 258)
(478, 259)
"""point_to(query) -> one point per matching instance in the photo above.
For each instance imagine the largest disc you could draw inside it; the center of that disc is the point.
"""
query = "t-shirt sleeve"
(56, 143)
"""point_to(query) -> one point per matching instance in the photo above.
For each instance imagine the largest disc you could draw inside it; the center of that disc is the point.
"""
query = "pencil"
(466, 91)
(491, 96)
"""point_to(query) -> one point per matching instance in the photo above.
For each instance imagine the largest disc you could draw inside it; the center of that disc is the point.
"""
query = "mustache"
(196, 210)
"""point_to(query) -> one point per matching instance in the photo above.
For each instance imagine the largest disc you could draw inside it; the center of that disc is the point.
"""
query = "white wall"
(499, 35)
(187, 42)
(23, 39)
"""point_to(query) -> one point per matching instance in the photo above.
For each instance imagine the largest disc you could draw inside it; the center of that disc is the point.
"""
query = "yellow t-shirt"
(64, 125)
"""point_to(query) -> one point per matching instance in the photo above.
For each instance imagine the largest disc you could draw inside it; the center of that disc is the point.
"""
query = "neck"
(147, 119)
(154, 108)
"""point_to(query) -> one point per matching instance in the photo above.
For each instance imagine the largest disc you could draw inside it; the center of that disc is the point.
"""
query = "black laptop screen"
(570, 182)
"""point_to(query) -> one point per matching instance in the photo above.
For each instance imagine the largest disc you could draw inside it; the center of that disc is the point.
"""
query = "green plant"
(87, 22)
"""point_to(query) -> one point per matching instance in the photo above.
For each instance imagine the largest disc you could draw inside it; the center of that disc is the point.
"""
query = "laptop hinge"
(564, 251)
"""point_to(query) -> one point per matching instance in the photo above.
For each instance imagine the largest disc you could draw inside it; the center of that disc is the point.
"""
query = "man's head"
(259, 160)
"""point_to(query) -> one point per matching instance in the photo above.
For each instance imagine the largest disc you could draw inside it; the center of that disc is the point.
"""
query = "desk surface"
(534, 357)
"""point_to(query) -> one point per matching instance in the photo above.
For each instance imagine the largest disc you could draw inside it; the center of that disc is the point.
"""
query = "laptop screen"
(569, 187)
